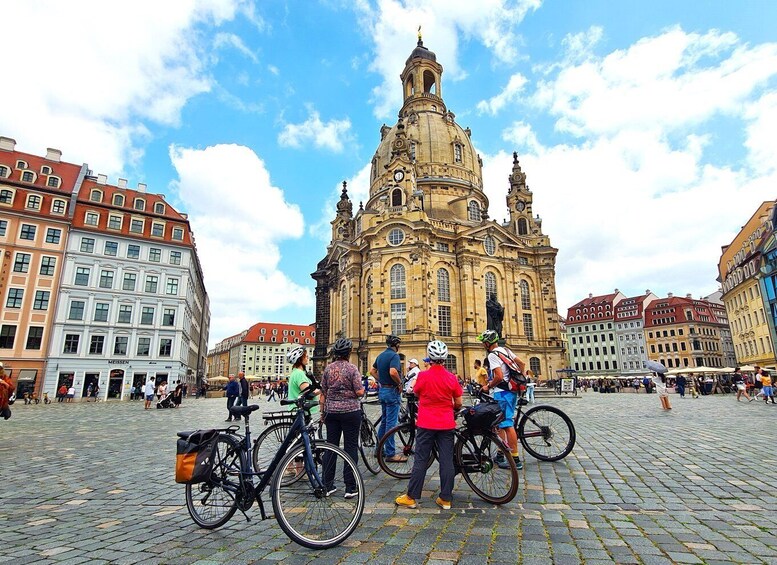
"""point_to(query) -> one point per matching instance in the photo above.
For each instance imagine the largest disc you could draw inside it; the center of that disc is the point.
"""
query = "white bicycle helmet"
(295, 354)
(437, 350)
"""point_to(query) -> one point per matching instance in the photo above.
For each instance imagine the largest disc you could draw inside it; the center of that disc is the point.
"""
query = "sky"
(645, 128)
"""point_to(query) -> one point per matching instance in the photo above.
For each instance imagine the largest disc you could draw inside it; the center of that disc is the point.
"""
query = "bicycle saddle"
(243, 410)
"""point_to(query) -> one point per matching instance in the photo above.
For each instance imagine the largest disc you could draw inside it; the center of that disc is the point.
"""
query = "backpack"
(516, 379)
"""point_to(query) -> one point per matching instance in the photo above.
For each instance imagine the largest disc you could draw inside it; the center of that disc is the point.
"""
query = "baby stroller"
(166, 402)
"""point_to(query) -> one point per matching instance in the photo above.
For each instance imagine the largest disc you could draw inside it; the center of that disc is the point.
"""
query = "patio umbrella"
(655, 366)
(218, 379)
(253, 378)
(746, 368)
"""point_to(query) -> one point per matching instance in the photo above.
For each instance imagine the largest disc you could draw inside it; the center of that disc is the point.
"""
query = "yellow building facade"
(420, 258)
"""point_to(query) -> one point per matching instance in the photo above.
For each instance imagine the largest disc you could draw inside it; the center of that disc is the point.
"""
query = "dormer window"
(118, 200)
(3, 172)
(157, 229)
(58, 206)
(159, 208)
(45, 170)
(33, 202)
(53, 182)
(6, 196)
(140, 204)
(28, 176)
(96, 196)
(457, 152)
(178, 234)
(21, 165)
(92, 218)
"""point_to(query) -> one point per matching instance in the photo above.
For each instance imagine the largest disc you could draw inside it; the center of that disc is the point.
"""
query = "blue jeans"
(390, 401)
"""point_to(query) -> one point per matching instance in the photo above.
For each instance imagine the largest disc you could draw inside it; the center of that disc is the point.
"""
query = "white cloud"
(762, 125)
(509, 94)
(89, 91)
(393, 26)
(331, 135)
(238, 218)
(222, 40)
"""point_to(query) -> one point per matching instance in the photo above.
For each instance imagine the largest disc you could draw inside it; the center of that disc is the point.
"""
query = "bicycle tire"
(204, 500)
(556, 433)
(478, 465)
(310, 517)
(368, 445)
(267, 445)
(404, 445)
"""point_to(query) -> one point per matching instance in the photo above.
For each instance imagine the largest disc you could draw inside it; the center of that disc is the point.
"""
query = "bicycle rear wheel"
(305, 512)
(211, 504)
(368, 444)
(546, 433)
(477, 460)
(267, 445)
(401, 465)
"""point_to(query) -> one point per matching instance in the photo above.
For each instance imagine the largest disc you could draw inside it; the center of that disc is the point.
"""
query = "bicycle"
(303, 503)
(475, 454)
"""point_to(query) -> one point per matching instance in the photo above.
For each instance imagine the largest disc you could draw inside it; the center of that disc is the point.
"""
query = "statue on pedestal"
(495, 314)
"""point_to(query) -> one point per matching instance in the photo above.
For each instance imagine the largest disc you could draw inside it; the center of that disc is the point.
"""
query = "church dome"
(422, 52)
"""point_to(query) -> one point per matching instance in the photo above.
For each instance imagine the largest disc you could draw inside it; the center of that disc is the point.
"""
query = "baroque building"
(420, 258)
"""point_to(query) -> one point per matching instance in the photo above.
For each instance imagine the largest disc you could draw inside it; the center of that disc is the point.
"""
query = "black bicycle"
(302, 474)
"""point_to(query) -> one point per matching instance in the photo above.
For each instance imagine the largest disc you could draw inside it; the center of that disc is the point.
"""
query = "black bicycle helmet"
(392, 340)
(342, 347)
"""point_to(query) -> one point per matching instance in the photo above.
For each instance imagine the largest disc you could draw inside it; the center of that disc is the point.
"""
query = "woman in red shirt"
(439, 396)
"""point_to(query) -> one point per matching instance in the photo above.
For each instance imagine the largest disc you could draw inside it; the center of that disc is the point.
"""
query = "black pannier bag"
(483, 416)
(194, 459)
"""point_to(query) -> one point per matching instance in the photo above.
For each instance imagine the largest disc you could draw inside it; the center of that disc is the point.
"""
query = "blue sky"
(645, 129)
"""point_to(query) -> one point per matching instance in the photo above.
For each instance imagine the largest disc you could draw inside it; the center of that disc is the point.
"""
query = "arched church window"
(490, 282)
(409, 87)
(473, 211)
(368, 309)
(523, 227)
(374, 168)
(397, 276)
(443, 286)
(525, 298)
(343, 309)
(457, 152)
(489, 244)
(430, 83)
(534, 365)
(396, 197)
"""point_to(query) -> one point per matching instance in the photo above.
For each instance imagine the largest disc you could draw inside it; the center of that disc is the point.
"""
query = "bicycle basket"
(483, 416)
(194, 458)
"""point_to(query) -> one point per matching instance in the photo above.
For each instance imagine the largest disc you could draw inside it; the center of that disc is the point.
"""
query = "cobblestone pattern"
(93, 483)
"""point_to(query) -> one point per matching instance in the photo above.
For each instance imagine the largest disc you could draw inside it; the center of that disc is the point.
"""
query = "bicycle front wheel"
(305, 511)
(368, 445)
(399, 464)
(478, 457)
(546, 433)
(211, 504)
(267, 445)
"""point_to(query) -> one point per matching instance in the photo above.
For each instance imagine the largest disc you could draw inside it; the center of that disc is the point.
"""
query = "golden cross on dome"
(419, 34)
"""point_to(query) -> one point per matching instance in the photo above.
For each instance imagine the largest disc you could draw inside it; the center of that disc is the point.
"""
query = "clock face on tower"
(399, 174)
(521, 206)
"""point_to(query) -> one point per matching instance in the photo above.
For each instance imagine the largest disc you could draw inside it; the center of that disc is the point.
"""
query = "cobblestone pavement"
(94, 483)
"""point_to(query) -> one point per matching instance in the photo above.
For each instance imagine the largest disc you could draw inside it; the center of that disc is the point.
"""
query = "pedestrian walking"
(244, 389)
(148, 392)
(61, 393)
(71, 393)
(6, 390)
(387, 370)
(341, 388)
(739, 382)
(680, 383)
(95, 392)
(233, 391)
(531, 384)
(692, 386)
(439, 397)
(766, 384)
(271, 393)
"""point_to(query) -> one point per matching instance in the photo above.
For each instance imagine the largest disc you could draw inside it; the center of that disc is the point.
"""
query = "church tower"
(420, 258)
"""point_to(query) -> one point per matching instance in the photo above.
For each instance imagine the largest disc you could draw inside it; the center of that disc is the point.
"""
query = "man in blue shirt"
(387, 370)
(233, 390)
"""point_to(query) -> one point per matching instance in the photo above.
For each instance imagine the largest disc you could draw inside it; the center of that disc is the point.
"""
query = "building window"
(114, 222)
(396, 197)
(34, 337)
(3, 227)
(442, 246)
(76, 310)
(125, 314)
(27, 176)
(53, 182)
(41, 301)
(396, 236)
(450, 363)
(96, 344)
(412, 150)
(101, 312)
(172, 287)
(343, 309)
(159, 208)
(489, 244)
(15, 297)
(443, 286)
(53, 235)
(534, 365)
(28, 232)
(92, 219)
(490, 283)
(175, 257)
(21, 263)
(528, 326)
(178, 234)
(7, 336)
(168, 317)
(155, 255)
(165, 347)
(106, 279)
(144, 346)
(118, 200)
(140, 204)
(133, 251)
(157, 230)
(82, 276)
(444, 320)
(397, 277)
(120, 345)
(33, 202)
(523, 227)
(129, 281)
(47, 265)
(58, 207)
(6, 196)
(111, 248)
(473, 211)
(96, 196)
(147, 316)
(136, 226)
(71, 343)
(398, 318)
(457, 153)
(152, 282)
(4, 172)
(45, 170)
(87, 245)
(525, 298)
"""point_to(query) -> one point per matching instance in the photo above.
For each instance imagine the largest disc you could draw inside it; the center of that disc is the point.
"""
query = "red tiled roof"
(67, 172)
(256, 330)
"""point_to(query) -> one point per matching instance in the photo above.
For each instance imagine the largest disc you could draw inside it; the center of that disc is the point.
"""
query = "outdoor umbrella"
(218, 379)
(746, 368)
(655, 366)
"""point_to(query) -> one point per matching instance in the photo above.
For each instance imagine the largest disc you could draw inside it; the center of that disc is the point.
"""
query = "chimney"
(122, 183)
(102, 179)
(53, 155)
(688, 295)
(590, 295)
(7, 144)
(141, 187)
(617, 291)
(669, 295)
(184, 216)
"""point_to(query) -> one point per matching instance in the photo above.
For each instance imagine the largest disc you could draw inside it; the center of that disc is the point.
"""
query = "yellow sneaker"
(444, 504)
(405, 501)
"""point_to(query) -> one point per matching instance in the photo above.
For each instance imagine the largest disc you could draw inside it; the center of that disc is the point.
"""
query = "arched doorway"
(115, 383)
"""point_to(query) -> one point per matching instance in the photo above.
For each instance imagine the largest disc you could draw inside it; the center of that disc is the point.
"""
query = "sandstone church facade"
(420, 258)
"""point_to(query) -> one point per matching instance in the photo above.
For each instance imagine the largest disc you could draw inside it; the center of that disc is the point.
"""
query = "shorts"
(768, 391)
(149, 397)
(506, 402)
(740, 386)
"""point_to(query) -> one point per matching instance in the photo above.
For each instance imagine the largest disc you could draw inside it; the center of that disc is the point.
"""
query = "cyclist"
(386, 370)
(412, 374)
(298, 379)
(439, 396)
(341, 388)
(502, 394)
